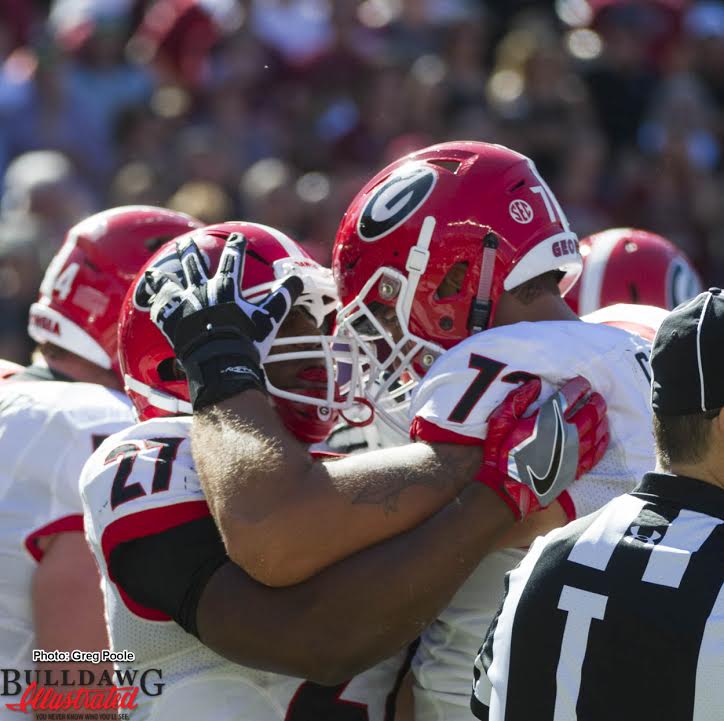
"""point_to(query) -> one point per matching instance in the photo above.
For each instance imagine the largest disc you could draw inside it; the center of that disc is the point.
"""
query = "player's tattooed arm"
(387, 486)
(360, 610)
(284, 517)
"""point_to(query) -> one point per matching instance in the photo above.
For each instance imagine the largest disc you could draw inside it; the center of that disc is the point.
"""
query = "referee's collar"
(684, 491)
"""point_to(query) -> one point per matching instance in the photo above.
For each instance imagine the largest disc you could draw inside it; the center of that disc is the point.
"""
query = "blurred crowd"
(276, 111)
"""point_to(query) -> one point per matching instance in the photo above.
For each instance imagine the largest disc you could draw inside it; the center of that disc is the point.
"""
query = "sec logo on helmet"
(395, 201)
(520, 211)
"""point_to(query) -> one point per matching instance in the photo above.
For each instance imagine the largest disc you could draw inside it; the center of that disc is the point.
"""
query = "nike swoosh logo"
(542, 484)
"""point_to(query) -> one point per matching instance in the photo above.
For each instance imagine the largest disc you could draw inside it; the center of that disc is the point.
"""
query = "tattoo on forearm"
(449, 467)
(387, 492)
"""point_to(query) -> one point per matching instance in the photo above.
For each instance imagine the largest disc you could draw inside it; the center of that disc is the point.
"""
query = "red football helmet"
(479, 212)
(625, 265)
(85, 283)
(310, 410)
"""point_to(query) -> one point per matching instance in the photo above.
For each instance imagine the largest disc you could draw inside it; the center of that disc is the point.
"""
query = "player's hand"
(187, 312)
(220, 339)
(530, 460)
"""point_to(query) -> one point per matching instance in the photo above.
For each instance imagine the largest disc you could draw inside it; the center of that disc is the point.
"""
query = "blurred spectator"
(20, 276)
(16, 18)
(622, 81)
(208, 200)
(297, 29)
(42, 188)
(535, 87)
(37, 110)
(410, 32)
(704, 26)
(177, 37)
(579, 186)
(268, 194)
(278, 110)
(136, 184)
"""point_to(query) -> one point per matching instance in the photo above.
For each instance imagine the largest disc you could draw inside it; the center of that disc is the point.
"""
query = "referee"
(619, 616)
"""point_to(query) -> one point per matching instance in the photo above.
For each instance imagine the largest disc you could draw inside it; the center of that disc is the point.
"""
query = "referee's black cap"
(687, 357)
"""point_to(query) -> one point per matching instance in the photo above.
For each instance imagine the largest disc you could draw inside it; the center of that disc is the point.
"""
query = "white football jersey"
(455, 398)
(643, 320)
(48, 429)
(142, 481)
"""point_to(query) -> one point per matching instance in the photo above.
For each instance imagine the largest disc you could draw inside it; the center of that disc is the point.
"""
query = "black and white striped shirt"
(617, 616)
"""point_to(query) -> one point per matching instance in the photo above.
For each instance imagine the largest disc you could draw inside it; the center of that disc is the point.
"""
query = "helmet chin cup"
(309, 423)
(361, 415)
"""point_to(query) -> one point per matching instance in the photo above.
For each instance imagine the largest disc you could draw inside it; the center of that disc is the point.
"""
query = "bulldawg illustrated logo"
(61, 694)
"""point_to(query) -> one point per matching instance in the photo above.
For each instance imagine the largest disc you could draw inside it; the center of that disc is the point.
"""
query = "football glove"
(529, 460)
(220, 339)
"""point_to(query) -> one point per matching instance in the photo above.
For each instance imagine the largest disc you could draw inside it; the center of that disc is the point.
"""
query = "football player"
(480, 185)
(451, 265)
(630, 279)
(626, 267)
(52, 415)
(175, 597)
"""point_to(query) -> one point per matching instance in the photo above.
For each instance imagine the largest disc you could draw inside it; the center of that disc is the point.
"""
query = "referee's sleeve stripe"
(597, 543)
(670, 557)
(709, 694)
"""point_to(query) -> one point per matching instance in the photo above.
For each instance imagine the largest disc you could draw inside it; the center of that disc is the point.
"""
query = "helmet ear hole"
(453, 281)
(170, 369)
(153, 244)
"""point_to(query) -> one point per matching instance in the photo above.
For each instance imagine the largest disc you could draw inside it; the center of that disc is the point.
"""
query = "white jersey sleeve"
(141, 482)
(452, 404)
(48, 429)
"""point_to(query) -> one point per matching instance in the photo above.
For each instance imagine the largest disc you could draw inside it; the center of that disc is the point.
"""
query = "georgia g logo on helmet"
(395, 201)
(169, 263)
(682, 283)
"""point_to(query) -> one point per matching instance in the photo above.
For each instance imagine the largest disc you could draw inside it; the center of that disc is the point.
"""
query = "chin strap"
(416, 265)
(480, 310)
(365, 421)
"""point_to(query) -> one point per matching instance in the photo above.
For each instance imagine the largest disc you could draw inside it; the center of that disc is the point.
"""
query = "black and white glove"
(220, 339)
